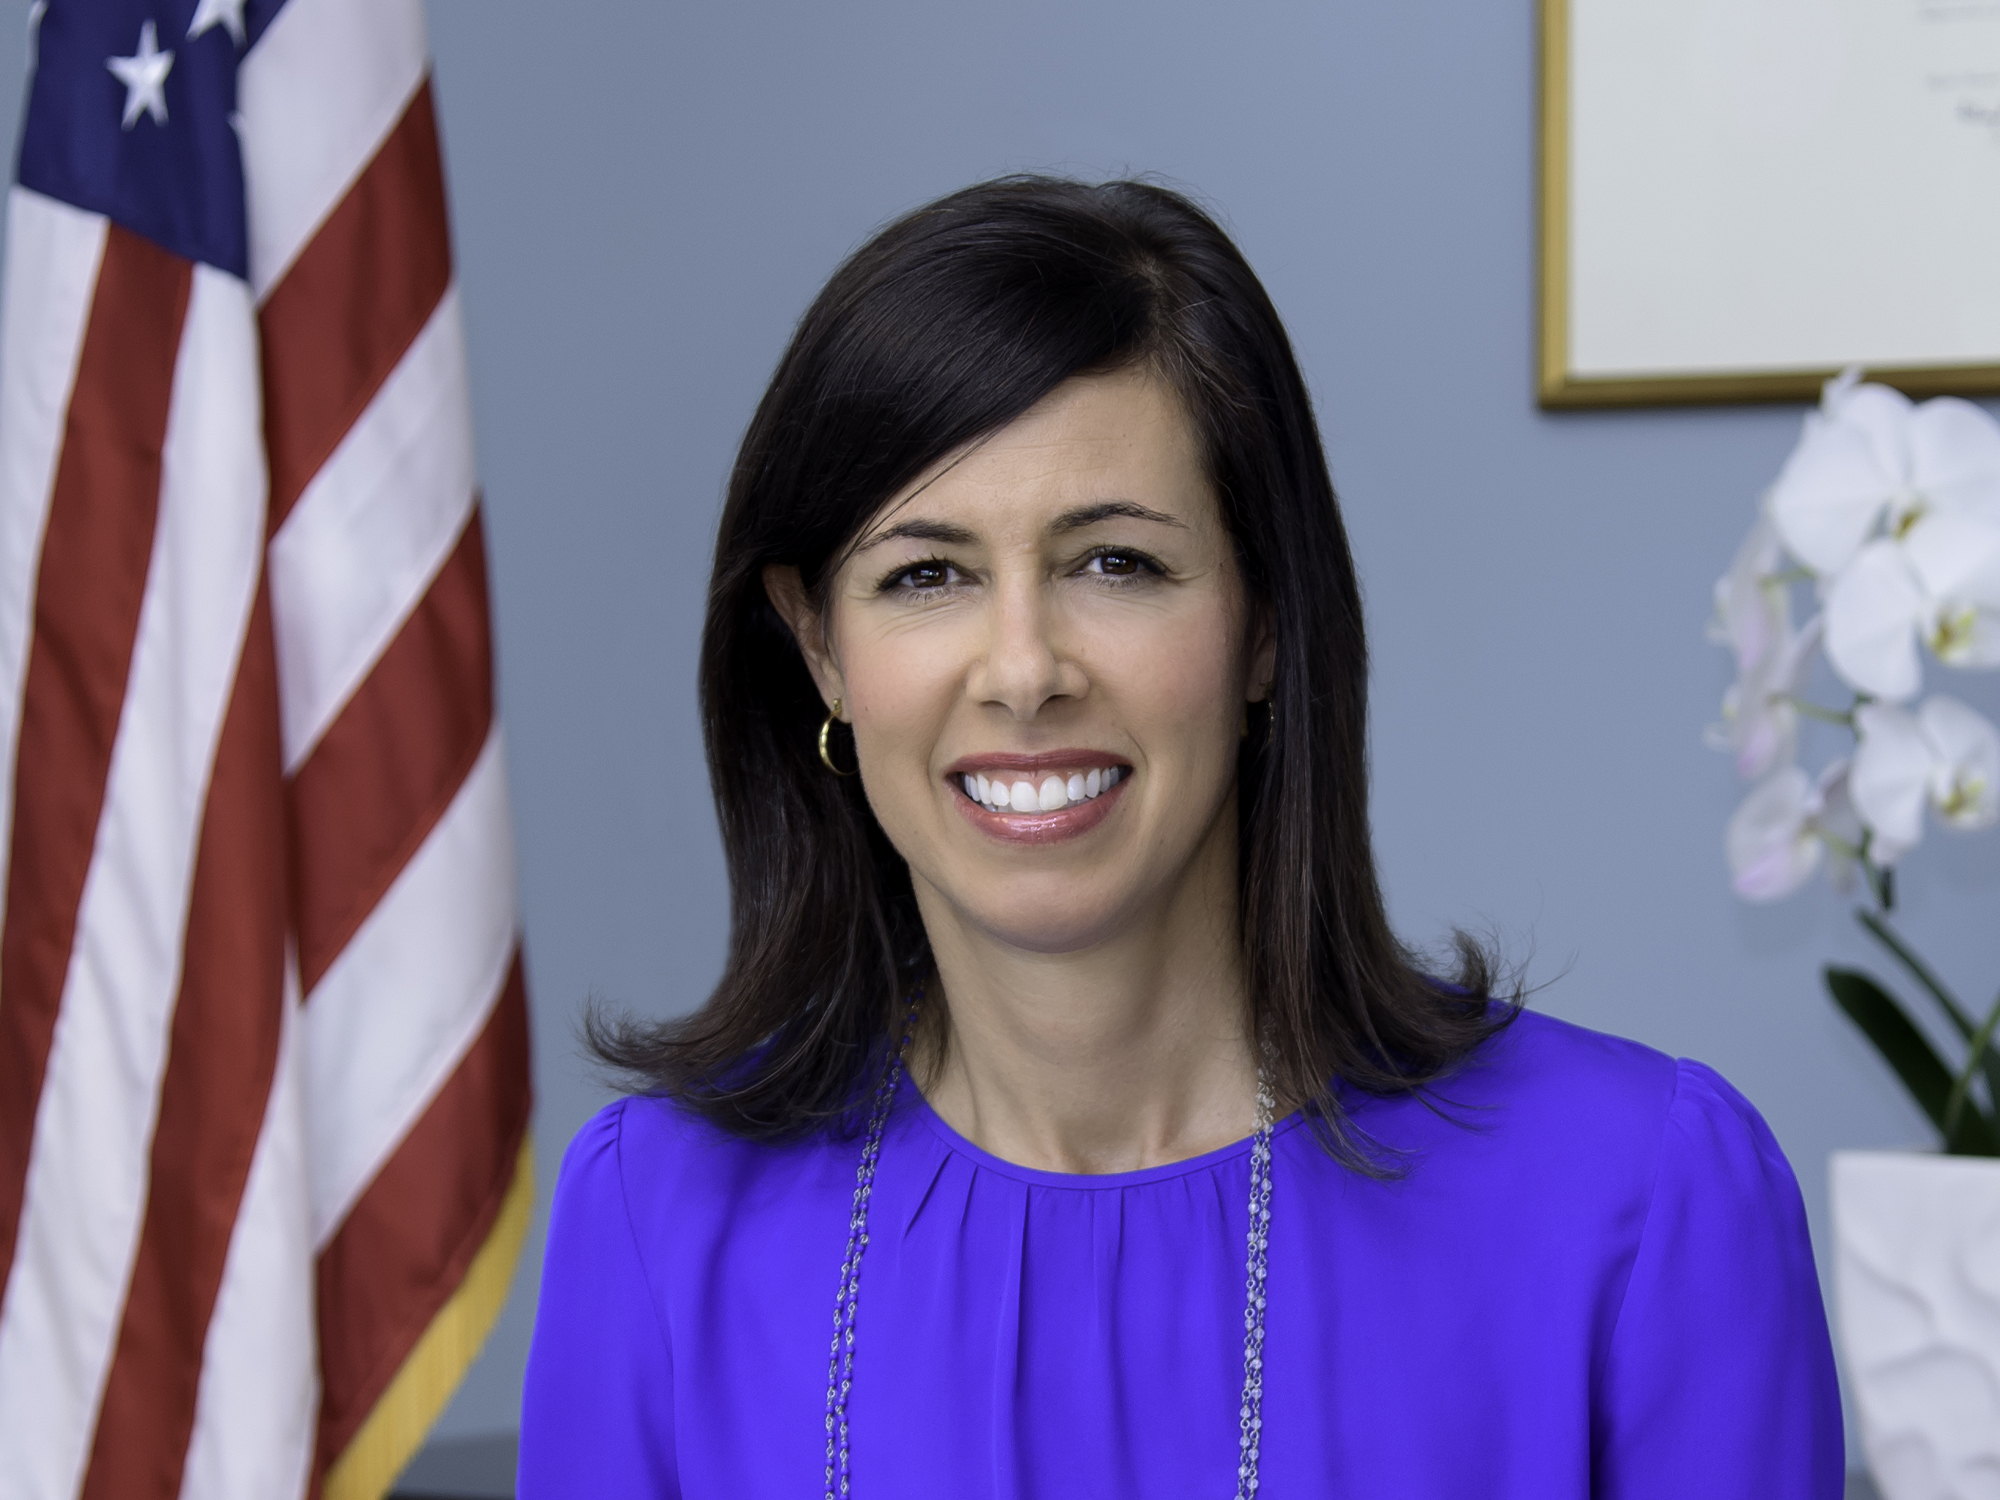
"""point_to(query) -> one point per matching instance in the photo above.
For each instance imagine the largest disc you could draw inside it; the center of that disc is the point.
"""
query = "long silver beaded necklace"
(840, 1368)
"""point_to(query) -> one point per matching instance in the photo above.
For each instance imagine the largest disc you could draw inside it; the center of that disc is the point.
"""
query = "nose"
(1025, 665)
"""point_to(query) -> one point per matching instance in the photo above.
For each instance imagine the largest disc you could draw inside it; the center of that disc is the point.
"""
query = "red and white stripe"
(263, 1044)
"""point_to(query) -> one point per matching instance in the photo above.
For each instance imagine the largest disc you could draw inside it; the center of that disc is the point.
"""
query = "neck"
(1131, 1053)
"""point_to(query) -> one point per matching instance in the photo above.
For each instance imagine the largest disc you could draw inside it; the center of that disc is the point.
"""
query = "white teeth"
(1054, 794)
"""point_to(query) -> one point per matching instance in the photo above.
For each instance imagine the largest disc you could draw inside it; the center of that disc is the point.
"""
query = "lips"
(1038, 798)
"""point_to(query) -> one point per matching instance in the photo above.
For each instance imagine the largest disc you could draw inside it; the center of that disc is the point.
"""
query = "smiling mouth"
(1039, 793)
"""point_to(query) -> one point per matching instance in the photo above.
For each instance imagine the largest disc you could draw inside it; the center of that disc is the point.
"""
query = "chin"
(1047, 918)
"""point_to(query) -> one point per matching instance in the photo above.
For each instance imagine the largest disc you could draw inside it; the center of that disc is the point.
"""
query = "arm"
(597, 1415)
(1719, 1381)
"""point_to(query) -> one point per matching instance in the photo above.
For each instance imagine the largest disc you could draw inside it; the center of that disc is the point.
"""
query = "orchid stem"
(1919, 970)
(1881, 878)
(1961, 1086)
(1815, 711)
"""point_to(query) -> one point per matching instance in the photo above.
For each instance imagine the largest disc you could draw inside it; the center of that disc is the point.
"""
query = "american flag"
(263, 1034)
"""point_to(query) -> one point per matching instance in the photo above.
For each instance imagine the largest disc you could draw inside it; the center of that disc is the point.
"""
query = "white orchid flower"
(1760, 717)
(1939, 583)
(1750, 605)
(1945, 754)
(1897, 508)
(1777, 838)
(1753, 617)
(1869, 458)
(1965, 776)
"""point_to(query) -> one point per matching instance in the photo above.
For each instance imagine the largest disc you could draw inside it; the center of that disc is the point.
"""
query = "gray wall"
(646, 197)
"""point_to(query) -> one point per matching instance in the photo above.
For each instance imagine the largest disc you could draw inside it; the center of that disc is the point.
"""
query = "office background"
(647, 195)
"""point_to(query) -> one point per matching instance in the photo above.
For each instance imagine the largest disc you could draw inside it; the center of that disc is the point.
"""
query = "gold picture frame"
(1560, 386)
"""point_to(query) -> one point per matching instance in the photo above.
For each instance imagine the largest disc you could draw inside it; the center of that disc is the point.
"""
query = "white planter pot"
(1917, 1287)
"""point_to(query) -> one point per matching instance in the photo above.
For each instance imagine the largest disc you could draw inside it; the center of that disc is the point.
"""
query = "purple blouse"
(1594, 1279)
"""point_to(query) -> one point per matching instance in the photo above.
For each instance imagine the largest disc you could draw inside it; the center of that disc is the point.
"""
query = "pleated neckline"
(1081, 1182)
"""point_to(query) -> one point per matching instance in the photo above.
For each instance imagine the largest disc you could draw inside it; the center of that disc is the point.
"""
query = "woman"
(1067, 1120)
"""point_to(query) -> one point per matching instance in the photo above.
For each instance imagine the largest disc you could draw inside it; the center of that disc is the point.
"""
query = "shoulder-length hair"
(948, 324)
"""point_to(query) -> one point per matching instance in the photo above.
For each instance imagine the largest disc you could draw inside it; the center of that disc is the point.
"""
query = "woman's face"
(1045, 652)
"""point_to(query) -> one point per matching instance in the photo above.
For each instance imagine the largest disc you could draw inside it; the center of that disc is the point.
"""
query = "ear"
(788, 596)
(1263, 656)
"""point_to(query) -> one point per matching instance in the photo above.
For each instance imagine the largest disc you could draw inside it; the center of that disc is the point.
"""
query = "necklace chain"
(1252, 1418)
(840, 1366)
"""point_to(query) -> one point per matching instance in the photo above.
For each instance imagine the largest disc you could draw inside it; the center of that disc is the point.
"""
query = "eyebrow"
(941, 532)
(1076, 519)
(1089, 515)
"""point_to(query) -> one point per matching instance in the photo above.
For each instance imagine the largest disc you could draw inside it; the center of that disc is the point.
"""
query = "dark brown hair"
(945, 326)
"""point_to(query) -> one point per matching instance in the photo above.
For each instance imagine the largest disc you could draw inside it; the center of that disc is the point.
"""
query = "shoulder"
(1539, 1057)
(659, 1172)
(644, 1143)
(590, 1203)
(1557, 1075)
(1582, 1114)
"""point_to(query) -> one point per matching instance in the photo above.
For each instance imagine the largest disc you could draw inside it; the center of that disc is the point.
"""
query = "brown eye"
(1118, 564)
(919, 577)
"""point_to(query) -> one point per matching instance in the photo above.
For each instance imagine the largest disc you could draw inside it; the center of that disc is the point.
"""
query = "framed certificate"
(1741, 197)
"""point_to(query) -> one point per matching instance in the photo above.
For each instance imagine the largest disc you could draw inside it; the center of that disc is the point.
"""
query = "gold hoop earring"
(824, 729)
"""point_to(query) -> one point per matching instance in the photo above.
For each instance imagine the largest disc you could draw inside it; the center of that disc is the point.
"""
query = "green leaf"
(1987, 1060)
(1884, 1022)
